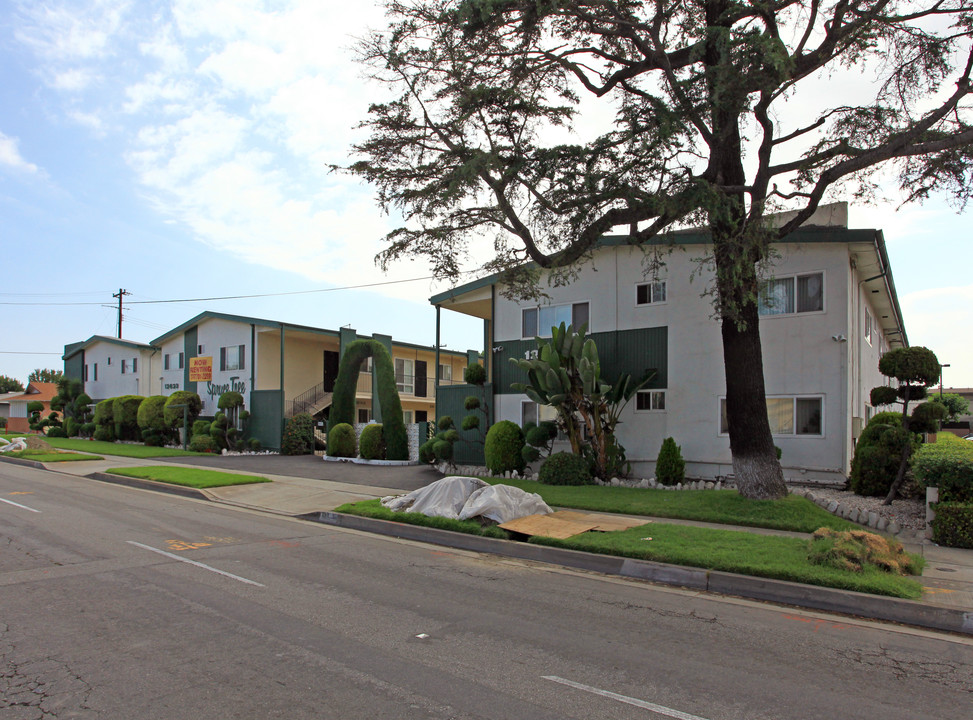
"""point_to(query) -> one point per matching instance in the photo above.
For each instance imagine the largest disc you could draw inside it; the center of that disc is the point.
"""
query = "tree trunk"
(755, 465)
(906, 451)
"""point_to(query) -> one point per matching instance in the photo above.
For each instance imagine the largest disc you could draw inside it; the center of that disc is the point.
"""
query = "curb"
(148, 485)
(25, 463)
(847, 602)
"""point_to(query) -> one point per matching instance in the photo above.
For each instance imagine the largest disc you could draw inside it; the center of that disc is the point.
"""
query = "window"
(407, 416)
(445, 372)
(532, 412)
(135, 365)
(200, 349)
(363, 415)
(109, 360)
(124, 366)
(86, 373)
(366, 365)
(181, 362)
(650, 293)
(232, 358)
(539, 321)
(787, 415)
(795, 294)
(868, 327)
(95, 373)
(404, 378)
(649, 400)
(165, 362)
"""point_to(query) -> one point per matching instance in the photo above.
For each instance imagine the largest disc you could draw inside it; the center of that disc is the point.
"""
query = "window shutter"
(243, 354)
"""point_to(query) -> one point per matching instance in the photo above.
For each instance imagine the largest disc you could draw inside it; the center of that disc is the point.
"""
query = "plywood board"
(548, 526)
(603, 523)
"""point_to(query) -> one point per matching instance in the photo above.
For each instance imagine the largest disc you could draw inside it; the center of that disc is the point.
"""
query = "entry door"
(330, 370)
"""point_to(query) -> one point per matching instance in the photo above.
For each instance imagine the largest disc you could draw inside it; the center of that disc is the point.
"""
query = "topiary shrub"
(564, 468)
(104, 423)
(474, 374)
(174, 414)
(878, 454)
(298, 436)
(341, 441)
(72, 427)
(125, 410)
(503, 451)
(253, 444)
(56, 432)
(150, 438)
(201, 427)
(88, 429)
(670, 468)
(202, 443)
(371, 444)
(104, 433)
(218, 431)
(946, 464)
(151, 416)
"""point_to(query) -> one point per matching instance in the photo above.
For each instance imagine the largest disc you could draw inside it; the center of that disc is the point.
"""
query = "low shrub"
(878, 453)
(564, 468)
(104, 421)
(371, 444)
(202, 443)
(201, 427)
(442, 449)
(71, 427)
(151, 438)
(948, 465)
(218, 431)
(298, 436)
(503, 450)
(953, 524)
(57, 432)
(539, 440)
(104, 433)
(670, 468)
(253, 444)
(341, 441)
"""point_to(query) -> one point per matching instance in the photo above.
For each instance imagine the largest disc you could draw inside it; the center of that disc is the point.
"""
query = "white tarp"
(503, 503)
(16, 445)
(464, 498)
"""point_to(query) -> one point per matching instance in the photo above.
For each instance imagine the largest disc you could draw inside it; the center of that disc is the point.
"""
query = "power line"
(24, 352)
(231, 297)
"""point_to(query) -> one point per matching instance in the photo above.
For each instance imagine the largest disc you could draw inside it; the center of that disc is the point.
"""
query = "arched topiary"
(371, 444)
(230, 403)
(345, 388)
(151, 415)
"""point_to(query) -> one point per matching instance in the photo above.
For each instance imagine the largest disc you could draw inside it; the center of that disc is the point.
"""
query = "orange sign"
(200, 369)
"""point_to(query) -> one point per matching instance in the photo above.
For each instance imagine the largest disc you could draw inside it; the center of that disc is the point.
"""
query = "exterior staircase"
(311, 401)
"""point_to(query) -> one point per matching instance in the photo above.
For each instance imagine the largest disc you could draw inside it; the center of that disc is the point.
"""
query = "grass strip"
(725, 507)
(45, 456)
(188, 477)
(375, 509)
(767, 556)
(110, 448)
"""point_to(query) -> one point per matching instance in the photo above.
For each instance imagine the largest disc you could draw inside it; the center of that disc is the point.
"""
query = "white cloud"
(10, 156)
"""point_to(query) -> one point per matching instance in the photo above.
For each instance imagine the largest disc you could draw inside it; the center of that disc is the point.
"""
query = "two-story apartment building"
(828, 311)
(279, 368)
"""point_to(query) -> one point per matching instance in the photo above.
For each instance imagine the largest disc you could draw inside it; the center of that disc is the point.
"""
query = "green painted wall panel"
(450, 401)
(266, 423)
(625, 351)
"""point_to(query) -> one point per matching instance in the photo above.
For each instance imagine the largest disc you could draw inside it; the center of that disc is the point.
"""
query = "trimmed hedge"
(151, 414)
(878, 453)
(371, 444)
(202, 443)
(341, 441)
(298, 435)
(503, 451)
(953, 524)
(104, 422)
(173, 414)
(670, 468)
(948, 465)
(564, 468)
(125, 409)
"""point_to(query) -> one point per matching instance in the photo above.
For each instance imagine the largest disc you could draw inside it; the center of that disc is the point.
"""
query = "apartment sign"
(200, 369)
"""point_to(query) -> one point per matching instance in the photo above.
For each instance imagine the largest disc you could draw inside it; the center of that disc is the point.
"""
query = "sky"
(181, 150)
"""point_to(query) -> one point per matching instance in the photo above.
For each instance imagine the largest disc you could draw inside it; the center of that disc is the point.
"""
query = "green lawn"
(107, 448)
(44, 456)
(726, 507)
(768, 556)
(189, 477)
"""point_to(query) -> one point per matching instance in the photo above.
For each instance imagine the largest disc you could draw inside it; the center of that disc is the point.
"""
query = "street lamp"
(941, 366)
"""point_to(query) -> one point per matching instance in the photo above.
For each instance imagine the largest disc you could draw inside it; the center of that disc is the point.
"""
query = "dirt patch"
(35, 442)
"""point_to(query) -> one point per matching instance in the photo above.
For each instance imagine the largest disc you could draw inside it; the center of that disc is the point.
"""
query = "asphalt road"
(122, 603)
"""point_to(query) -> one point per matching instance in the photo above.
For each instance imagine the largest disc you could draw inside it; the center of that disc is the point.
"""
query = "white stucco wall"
(111, 381)
(800, 357)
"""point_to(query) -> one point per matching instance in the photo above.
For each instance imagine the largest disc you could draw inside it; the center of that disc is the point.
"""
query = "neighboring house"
(5, 404)
(964, 423)
(829, 310)
(279, 368)
(18, 422)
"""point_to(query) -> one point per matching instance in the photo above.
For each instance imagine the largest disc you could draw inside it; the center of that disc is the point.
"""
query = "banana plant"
(566, 374)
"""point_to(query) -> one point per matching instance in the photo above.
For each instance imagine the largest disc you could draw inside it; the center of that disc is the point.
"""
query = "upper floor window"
(650, 293)
(404, 376)
(165, 361)
(538, 321)
(181, 360)
(124, 367)
(868, 327)
(794, 294)
(95, 373)
(135, 365)
(445, 372)
(86, 373)
(232, 358)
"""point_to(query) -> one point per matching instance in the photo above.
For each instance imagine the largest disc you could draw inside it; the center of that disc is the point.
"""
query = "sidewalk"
(317, 487)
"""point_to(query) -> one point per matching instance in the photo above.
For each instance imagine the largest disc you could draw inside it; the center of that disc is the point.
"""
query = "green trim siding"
(190, 341)
(74, 366)
(623, 351)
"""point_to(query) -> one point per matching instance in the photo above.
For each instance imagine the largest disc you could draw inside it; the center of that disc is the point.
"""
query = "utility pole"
(121, 293)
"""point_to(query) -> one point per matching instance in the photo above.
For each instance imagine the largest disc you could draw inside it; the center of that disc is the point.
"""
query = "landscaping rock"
(872, 519)
(832, 506)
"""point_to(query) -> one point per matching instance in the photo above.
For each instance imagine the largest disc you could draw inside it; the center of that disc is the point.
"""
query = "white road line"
(197, 564)
(11, 502)
(668, 712)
